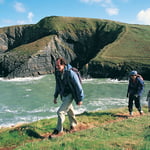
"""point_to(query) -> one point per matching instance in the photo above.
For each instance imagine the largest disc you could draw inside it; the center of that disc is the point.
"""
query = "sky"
(17, 12)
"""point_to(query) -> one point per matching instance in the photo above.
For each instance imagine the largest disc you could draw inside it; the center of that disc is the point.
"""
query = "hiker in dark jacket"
(68, 86)
(135, 89)
(148, 99)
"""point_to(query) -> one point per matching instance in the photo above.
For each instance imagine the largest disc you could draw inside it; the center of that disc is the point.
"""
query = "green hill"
(131, 46)
(111, 49)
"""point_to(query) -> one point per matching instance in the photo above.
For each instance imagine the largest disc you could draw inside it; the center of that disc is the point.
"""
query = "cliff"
(99, 48)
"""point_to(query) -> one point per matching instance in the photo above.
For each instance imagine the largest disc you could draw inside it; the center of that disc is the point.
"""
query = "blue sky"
(16, 12)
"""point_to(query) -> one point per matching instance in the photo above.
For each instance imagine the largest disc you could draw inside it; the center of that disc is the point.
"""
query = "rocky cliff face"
(31, 50)
(117, 71)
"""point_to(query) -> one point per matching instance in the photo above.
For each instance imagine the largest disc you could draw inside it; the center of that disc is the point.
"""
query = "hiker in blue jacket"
(134, 92)
(148, 99)
(68, 86)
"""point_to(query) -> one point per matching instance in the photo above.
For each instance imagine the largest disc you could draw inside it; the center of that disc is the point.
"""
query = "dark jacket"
(136, 88)
(70, 83)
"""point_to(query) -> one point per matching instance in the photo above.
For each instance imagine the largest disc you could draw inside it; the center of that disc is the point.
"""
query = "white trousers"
(66, 108)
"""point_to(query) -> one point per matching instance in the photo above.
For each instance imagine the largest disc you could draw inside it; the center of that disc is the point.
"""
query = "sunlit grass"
(108, 133)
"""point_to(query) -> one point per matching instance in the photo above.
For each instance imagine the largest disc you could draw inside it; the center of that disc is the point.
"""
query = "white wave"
(108, 101)
(22, 79)
(28, 90)
(11, 111)
(4, 125)
(96, 103)
(22, 120)
(81, 110)
(25, 96)
(116, 81)
(7, 110)
(43, 109)
(87, 80)
(105, 81)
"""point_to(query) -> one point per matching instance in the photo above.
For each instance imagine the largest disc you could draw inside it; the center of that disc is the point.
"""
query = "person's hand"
(79, 103)
(127, 95)
(55, 101)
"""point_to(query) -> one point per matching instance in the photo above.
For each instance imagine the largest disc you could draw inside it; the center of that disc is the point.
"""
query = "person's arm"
(140, 86)
(128, 89)
(57, 90)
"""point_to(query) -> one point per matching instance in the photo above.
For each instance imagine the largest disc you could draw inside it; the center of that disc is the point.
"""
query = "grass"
(112, 41)
(113, 130)
(132, 45)
(32, 48)
(84, 40)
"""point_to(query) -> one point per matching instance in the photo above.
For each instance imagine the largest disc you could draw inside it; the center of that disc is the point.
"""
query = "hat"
(133, 73)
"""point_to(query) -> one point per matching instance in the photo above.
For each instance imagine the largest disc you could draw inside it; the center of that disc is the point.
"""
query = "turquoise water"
(31, 99)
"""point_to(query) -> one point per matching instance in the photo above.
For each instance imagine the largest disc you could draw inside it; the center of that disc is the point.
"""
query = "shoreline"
(18, 124)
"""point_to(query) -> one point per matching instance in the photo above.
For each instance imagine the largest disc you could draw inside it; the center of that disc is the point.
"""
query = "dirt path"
(85, 126)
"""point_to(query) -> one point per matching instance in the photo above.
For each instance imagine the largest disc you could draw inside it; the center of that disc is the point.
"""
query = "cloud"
(107, 4)
(8, 22)
(96, 1)
(19, 7)
(30, 16)
(90, 1)
(112, 11)
(29, 19)
(144, 16)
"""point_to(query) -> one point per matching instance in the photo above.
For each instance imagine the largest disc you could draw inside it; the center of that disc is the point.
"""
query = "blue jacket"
(137, 87)
(67, 84)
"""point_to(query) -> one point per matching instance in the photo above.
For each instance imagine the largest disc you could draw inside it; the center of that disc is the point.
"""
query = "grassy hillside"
(107, 46)
(107, 130)
(132, 46)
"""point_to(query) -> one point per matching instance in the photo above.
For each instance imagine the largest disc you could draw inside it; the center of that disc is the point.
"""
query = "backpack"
(77, 72)
(139, 76)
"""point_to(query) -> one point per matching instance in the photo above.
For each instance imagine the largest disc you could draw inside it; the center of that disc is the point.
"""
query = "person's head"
(60, 64)
(133, 74)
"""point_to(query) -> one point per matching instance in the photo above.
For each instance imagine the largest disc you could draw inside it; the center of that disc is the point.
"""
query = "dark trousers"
(137, 102)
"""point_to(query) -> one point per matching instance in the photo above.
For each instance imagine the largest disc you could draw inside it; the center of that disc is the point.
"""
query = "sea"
(25, 100)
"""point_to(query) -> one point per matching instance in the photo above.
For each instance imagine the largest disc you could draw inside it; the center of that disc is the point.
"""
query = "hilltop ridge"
(111, 49)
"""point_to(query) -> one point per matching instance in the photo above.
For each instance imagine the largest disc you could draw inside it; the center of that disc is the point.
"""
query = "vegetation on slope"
(111, 129)
(132, 46)
(103, 44)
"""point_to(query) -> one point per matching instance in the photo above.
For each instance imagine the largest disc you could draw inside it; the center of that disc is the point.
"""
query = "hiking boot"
(131, 113)
(141, 112)
(56, 135)
(55, 131)
(73, 129)
(66, 130)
